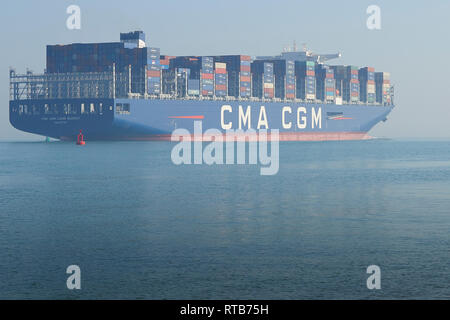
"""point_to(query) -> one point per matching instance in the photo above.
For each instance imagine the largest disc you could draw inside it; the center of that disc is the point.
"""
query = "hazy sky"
(413, 43)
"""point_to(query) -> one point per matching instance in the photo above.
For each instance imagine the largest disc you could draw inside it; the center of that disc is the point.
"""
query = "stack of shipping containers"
(153, 71)
(245, 77)
(89, 57)
(339, 79)
(193, 87)
(330, 86)
(351, 85)
(290, 79)
(168, 81)
(99, 57)
(221, 81)
(257, 71)
(207, 77)
(268, 80)
(165, 61)
(383, 87)
(306, 80)
(182, 76)
(325, 83)
(221, 76)
(367, 84)
(233, 63)
(280, 74)
(133, 39)
(194, 64)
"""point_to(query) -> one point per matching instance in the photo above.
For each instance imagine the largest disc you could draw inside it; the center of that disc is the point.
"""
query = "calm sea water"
(140, 227)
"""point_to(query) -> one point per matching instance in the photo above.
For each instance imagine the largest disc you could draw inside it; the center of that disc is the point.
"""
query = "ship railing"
(252, 99)
(112, 84)
(108, 84)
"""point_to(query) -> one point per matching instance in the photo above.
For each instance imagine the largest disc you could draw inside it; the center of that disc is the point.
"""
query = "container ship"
(128, 91)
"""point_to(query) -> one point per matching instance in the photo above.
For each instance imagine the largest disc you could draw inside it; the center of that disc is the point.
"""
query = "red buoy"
(80, 140)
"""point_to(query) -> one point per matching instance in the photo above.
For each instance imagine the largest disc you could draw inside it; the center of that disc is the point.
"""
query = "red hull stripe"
(187, 117)
(283, 136)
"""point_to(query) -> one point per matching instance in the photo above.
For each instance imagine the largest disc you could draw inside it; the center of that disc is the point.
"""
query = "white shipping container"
(221, 65)
(386, 76)
(268, 85)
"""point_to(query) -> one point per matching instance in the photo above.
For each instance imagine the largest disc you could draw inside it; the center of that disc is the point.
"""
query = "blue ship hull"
(156, 119)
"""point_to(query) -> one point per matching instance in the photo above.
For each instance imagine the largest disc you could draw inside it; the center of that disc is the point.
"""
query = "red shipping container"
(329, 76)
(221, 71)
(354, 71)
(354, 81)
(206, 93)
(269, 90)
(207, 76)
(370, 82)
(221, 87)
(354, 94)
(330, 89)
(386, 82)
(245, 68)
(245, 79)
(245, 58)
(370, 69)
(290, 95)
(310, 73)
(243, 89)
(153, 73)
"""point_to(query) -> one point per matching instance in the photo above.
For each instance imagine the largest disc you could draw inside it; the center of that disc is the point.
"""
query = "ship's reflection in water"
(140, 227)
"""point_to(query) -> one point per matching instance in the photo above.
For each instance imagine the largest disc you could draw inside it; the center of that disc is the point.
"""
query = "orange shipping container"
(207, 76)
(153, 73)
(221, 71)
(245, 79)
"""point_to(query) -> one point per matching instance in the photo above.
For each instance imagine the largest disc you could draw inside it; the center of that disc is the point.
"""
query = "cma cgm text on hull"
(128, 91)
(263, 123)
